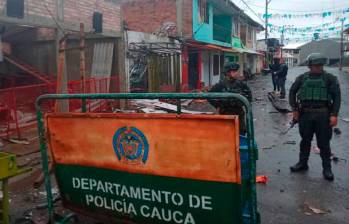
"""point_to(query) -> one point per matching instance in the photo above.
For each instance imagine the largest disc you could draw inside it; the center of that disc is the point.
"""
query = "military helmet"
(231, 67)
(316, 59)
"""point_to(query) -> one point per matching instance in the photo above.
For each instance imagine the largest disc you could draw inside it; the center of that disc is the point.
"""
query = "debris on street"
(317, 210)
(156, 106)
(345, 119)
(17, 141)
(337, 131)
(262, 179)
(280, 105)
(290, 143)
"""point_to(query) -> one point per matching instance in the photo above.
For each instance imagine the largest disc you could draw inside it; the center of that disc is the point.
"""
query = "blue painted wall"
(204, 31)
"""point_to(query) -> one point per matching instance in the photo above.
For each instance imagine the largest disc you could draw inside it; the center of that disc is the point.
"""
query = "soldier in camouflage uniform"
(231, 83)
(315, 98)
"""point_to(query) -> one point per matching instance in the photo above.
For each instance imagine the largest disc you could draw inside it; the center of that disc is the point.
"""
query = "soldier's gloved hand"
(333, 121)
(296, 116)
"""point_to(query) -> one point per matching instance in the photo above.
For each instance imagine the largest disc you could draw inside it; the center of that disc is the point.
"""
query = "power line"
(300, 11)
(254, 12)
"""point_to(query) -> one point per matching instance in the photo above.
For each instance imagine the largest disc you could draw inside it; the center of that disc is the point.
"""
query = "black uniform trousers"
(275, 80)
(282, 83)
(315, 122)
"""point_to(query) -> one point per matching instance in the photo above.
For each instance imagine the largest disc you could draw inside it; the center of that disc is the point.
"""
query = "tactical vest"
(314, 89)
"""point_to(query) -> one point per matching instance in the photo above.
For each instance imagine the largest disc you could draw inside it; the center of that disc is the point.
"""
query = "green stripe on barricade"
(148, 199)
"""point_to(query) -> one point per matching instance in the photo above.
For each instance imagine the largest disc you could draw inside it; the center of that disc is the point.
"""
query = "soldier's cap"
(316, 59)
(231, 67)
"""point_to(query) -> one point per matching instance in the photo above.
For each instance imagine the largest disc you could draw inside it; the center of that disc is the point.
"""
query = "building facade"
(212, 33)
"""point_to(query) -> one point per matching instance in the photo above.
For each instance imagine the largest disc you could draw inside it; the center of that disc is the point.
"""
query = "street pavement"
(290, 198)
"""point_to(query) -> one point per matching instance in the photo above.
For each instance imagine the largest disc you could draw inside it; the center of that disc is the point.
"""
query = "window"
(216, 65)
(98, 22)
(15, 8)
(204, 13)
(223, 61)
(249, 33)
(296, 51)
(236, 28)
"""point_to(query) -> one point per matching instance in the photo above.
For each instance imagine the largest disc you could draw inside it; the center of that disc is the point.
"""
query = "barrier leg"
(5, 202)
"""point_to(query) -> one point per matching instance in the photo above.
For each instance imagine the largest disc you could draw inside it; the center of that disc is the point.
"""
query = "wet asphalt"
(289, 198)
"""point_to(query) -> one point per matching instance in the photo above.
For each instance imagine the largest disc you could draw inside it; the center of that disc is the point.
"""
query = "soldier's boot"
(302, 165)
(299, 167)
(328, 175)
(327, 170)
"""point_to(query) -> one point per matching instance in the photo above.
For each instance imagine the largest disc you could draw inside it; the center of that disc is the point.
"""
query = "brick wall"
(83, 10)
(149, 15)
(188, 18)
(75, 11)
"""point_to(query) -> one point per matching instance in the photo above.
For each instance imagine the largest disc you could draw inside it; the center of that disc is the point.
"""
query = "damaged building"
(55, 46)
(211, 33)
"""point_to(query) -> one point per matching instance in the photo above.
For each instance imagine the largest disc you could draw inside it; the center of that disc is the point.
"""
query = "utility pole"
(266, 31)
(82, 58)
(266, 20)
(282, 41)
(342, 46)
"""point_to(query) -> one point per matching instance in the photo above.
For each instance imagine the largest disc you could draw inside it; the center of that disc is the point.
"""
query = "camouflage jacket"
(231, 86)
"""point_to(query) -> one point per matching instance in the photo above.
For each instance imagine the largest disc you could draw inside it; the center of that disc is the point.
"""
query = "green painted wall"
(204, 32)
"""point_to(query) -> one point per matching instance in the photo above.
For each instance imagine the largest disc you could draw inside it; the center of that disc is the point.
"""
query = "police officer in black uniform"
(315, 98)
(275, 68)
(282, 76)
(231, 83)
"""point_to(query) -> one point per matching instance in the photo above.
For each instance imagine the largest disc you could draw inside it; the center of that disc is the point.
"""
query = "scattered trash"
(24, 221)
(336, 159)
(55, 199)
(317, 210)
(282, 191)
(1, 144)
(124, 111)
(307, 213)
(267, 148)
(18, 141)
(196, 101)
(290, 143)
(345, 119)
(337, 131)
(150, 105)
(262, 179)
(291, 125)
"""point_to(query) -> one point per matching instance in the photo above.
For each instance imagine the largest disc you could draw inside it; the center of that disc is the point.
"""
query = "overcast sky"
(297, 7)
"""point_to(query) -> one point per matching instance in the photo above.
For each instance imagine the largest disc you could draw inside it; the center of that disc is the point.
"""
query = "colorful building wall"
(205, 32)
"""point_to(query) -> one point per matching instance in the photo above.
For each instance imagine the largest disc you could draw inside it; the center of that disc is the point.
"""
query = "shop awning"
(211, 47)
(251, 51)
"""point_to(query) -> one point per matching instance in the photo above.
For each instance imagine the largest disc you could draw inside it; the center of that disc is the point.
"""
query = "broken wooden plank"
(280, 105)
